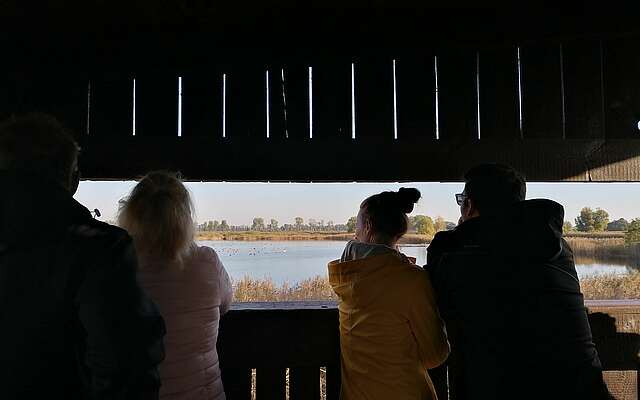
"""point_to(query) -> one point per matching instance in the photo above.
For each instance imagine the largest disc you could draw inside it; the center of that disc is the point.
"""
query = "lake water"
(293, 261)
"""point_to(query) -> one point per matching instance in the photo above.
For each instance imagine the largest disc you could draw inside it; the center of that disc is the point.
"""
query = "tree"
(633, 231)
(258, 224)
(600, 219)
(273, 225)
(424, 225)
(440, 224)
(216, 225)
(618, 225)
(351, 224)
(223, 225)
(591, 221)
(312, 224)
(299, 222)
(584, 222)
(567, 227)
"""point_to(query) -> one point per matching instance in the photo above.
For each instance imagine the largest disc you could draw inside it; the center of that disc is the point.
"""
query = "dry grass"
(595, 235)
(249, 289)
(610, 287)
(604, 250)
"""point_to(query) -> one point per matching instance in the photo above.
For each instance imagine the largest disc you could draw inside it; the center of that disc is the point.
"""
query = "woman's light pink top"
(191, 301)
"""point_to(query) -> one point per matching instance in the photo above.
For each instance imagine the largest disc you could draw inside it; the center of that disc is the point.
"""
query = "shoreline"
(616, 238)
(257, 236)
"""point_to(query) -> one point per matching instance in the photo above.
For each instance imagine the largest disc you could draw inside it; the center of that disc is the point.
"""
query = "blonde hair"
(158, 214)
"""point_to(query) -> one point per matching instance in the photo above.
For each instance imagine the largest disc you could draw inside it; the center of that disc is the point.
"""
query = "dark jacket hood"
(32, 204)
(530, 228)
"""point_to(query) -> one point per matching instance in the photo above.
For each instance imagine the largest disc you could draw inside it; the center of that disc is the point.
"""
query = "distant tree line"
(420, 224)
(273, 225)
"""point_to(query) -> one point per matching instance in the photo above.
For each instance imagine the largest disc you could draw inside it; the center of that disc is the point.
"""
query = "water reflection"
(293, 261)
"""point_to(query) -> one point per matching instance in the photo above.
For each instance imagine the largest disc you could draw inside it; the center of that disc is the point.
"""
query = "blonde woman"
(187, 282)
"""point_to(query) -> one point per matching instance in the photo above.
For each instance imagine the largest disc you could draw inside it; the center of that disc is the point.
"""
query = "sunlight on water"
(293, 261)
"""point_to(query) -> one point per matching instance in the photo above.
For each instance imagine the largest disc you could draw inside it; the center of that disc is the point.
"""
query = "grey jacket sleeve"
(123, 328)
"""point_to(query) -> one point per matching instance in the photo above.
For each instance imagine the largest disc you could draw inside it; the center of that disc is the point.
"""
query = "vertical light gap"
(519, 72)
(353, 100)
(134, 107)
(310, 102)
(478, 89)
(437, 96)
(224, 105)
(395, 103)
(284, 103)
(287, 383)
(88, 107)
(564, 109)
(266, 77)
(179, 106)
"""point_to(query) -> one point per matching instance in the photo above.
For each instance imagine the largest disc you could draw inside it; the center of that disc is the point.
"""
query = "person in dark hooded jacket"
(74, 322)
(508, 291)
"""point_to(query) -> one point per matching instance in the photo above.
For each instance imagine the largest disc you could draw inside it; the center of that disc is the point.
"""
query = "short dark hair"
(38, 143)
(387, 211)
(494, 186)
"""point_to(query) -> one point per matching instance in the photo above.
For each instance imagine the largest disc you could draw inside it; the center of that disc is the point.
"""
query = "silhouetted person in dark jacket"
(508, 290)
(74, 323)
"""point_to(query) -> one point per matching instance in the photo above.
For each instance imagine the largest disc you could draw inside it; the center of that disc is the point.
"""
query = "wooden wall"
(306, 93)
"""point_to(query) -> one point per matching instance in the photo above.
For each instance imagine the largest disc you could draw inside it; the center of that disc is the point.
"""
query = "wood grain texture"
(445, 160)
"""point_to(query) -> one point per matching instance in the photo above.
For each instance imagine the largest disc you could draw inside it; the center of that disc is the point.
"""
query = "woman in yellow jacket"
(390, 330)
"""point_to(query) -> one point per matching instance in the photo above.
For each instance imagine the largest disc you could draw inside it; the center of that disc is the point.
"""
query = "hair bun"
(407, 197)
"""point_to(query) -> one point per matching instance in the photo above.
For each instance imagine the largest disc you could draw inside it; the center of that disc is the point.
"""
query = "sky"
(239, 203)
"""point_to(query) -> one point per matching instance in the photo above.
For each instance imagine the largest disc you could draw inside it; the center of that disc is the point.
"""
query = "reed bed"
(611, 287)
(612, 250)
(249, 289)
(604, 287)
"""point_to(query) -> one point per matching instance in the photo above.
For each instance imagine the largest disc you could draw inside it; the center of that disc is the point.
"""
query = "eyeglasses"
(460, 197)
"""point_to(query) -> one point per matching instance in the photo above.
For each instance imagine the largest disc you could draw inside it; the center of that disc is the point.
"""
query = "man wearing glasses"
(508, 291)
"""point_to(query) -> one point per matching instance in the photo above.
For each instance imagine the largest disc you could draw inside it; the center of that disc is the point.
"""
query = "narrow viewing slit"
(353, 101)
(284, 103)
(478, 91)
(179, 106)
(437, 96)
(519, 74)
(133, 129)
(224, 105)
(564, 110)
(268, 110)
(310, 102)
(395, 103)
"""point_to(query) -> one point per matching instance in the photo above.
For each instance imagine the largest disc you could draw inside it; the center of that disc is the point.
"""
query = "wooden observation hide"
(328, 91)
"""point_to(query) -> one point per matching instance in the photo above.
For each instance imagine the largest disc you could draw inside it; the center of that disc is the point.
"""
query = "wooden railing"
(260, 342)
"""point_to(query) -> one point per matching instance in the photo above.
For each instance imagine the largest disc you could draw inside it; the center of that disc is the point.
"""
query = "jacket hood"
(344, 275)
(531, 228)
(33, 204)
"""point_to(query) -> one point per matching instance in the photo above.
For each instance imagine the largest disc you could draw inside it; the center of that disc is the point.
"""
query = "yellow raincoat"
(390, 330)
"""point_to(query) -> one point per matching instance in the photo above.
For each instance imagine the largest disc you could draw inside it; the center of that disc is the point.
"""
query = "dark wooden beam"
(350, 160)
